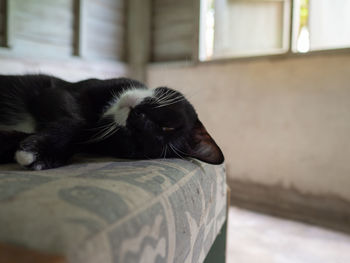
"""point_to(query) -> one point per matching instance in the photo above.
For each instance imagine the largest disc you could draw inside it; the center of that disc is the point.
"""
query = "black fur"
(68, 117)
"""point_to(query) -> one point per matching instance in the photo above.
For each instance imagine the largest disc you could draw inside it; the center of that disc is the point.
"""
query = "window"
(237, 28)
(321, 24)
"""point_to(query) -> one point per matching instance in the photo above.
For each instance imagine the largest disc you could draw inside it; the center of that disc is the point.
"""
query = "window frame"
(283, 54)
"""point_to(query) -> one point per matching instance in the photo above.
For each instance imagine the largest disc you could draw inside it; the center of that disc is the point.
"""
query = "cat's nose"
(137, 119)
(139, 114)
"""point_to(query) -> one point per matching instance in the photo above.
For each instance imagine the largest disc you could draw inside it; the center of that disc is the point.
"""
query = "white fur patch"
(26, 124)
(24, 158)
(120, 109)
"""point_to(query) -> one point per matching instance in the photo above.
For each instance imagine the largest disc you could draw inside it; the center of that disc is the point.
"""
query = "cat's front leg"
(50, 148)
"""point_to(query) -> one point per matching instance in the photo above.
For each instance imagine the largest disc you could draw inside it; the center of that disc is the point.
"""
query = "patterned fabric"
(100, 210)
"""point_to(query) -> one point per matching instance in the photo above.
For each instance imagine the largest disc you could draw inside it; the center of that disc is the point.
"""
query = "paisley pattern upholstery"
(103, 210)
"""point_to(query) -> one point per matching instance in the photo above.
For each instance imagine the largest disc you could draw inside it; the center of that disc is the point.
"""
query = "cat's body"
(45, 120)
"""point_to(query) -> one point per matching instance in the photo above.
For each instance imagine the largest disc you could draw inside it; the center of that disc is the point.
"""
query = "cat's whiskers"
(175, 150)
(164, 95)
(165, 150)
(167, 94)
(106, 135)
(105, 132)
(115, 95)
(105, 129)
(170, 99)
(99, 127)
(167, 98)
(170, 102)
(131, 84)
(162, 153)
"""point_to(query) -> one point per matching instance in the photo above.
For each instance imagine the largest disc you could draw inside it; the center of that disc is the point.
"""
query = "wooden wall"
(42, 27)
(90, 32)
(96, 30)
(105, 29)
(173, 29)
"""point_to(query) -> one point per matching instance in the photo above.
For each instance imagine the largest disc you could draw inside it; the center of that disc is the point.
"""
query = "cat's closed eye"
(167, 129)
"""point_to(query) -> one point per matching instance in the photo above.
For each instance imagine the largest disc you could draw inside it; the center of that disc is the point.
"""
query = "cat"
(45, 120)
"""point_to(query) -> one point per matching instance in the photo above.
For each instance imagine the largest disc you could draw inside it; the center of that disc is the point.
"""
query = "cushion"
(103, 210)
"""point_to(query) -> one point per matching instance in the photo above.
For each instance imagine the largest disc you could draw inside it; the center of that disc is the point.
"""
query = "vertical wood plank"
(79, 28)
(41, 28)
(8, 23)
(2, 22)
(173, 30)
(139, 32)
(105, 34)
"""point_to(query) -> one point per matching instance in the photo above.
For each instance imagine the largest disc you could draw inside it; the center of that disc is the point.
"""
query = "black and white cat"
(45, 120)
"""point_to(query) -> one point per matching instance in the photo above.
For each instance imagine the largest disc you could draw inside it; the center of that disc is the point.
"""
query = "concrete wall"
(281, 122)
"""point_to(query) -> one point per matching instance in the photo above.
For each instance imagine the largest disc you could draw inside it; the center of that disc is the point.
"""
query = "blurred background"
(270, 79)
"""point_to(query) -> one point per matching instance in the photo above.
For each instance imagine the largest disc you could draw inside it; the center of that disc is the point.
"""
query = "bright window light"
(303, 38)
(238, 28)
(207, 29)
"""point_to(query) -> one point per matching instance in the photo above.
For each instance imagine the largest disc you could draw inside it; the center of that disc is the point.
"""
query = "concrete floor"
(259, 238)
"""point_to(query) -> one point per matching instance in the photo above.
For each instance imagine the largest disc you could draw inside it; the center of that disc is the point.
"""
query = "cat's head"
(163, 123)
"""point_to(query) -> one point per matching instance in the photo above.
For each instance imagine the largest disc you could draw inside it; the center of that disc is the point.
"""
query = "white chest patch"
(26, 124)
(121, 107)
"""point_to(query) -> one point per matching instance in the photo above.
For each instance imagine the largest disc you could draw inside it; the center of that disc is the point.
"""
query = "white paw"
(24, 158)
(38, 167)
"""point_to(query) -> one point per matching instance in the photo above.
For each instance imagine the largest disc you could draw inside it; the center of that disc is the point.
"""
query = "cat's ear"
(203, 147)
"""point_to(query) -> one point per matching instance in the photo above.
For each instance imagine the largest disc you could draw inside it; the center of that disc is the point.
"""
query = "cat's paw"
(29, 159)
(36, 153)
